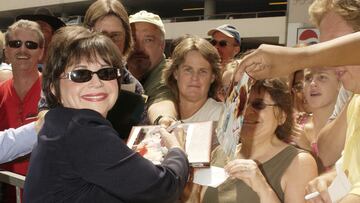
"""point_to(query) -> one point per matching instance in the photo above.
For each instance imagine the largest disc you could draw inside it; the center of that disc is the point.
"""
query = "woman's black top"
(80, 158)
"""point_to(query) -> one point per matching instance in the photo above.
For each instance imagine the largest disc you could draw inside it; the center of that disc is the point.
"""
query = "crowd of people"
(66, 92)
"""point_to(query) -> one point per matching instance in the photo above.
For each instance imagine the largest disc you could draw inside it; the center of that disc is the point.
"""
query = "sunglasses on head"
(222, 43)
(260, 104)
(18, 44)
(85, 75)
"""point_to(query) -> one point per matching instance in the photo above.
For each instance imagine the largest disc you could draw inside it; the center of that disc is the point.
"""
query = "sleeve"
(156, 88)
(158, 93)
(17, 142)
(101, 158)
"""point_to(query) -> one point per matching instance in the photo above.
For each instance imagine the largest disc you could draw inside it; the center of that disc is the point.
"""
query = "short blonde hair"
(347, 9)
(25, 25)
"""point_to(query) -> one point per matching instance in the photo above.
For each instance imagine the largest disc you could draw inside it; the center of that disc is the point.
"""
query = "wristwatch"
(157, 120)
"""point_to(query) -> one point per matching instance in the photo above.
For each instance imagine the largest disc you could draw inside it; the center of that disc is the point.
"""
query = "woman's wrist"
(162, 118)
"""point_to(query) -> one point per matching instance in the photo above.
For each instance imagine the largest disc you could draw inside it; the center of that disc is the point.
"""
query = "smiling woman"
(79, 156)
(266, 168)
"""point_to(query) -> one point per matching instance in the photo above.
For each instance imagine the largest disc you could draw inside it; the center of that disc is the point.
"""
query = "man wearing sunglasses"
(48, 24)
(19, 96)
(227, 41)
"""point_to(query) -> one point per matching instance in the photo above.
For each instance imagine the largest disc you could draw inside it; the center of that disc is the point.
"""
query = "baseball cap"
(227, 30)
(53, 21)
(148, 17)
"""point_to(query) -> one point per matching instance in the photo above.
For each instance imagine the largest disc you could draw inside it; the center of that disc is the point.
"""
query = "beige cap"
(148, 17)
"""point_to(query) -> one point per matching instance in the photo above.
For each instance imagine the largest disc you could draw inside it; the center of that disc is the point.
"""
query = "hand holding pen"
(317, 188)
(172, 138)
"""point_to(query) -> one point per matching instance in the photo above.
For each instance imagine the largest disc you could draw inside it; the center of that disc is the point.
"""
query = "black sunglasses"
(18, 44)
(85, 75)
(259, 104)
(222, 43)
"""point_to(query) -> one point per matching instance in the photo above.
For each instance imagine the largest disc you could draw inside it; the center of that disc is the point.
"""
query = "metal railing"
(14, 180)
(76, 20)
(258, 14)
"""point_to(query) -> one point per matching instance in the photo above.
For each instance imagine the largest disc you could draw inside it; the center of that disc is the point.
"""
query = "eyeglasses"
(18, 44)
(259, 104)
(85, 75)
(222, 43)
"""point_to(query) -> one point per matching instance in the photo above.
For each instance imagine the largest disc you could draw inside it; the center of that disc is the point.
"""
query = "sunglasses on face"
(222, 43)
(85, 75)
(260, 104)
(18, 43)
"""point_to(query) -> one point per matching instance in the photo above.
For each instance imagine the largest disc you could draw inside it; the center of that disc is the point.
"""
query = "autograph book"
(198, 139)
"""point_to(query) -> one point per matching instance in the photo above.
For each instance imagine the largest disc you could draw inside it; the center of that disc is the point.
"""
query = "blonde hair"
(26, 25)
(347, 9)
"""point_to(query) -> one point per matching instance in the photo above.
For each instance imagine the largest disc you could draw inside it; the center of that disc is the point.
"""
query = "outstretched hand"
(268, 61)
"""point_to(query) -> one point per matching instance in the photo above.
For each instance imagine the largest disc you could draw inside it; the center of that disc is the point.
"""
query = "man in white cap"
(146, 63)
(227, 41)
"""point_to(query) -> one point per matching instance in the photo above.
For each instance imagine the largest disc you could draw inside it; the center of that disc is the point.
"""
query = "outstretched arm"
(273, 61)
(17, 142)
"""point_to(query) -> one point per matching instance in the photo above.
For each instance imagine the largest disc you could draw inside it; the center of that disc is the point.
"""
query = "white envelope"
(211, 177)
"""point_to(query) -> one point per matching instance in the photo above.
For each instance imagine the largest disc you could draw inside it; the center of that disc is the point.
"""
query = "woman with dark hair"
(79, 156)
(266, 168)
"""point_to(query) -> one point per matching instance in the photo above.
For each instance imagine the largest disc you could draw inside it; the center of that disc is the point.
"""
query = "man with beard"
(146, 63)
(19, 96)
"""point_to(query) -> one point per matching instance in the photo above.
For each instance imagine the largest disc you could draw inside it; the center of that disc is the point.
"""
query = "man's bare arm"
(273, 61)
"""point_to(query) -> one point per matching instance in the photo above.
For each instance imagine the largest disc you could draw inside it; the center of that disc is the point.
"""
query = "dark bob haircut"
(69, 46)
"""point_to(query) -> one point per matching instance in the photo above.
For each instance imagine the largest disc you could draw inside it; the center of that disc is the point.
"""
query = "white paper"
(211, 177)
(340, 185)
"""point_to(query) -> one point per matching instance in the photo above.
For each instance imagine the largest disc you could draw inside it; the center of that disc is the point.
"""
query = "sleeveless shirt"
(238, 191)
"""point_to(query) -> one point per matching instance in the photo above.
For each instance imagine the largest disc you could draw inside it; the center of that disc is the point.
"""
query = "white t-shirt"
(210, 111)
